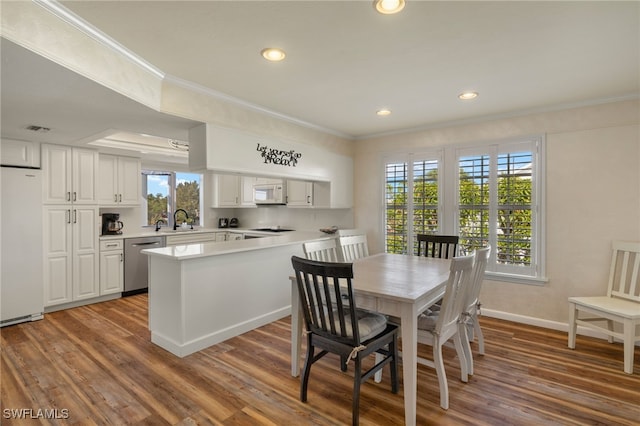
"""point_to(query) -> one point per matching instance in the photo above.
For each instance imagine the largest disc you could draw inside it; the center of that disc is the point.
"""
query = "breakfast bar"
(203, 294)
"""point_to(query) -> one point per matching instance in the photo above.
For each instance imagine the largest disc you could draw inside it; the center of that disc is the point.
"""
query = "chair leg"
(462, 347)
(628, 332)
(357, 381)
(305, 372)
(478, 331)
(573, 326)
(343, 363)
(463, 331)
(393, 348)
(610, 328)
(440, 372)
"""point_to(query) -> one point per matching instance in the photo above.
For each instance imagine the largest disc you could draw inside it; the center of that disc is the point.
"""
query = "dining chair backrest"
(440, 246)
(323, 250)
(460, 279)
(354, 247)
(479, 267)
(624, 272)
(350, 232)
(321, 281)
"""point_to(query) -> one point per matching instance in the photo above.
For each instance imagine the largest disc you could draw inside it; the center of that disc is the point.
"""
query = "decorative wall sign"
(275, 156)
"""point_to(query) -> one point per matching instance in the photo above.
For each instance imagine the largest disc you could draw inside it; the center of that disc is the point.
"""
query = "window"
(168, 191)
(417, 215)
(485, 193)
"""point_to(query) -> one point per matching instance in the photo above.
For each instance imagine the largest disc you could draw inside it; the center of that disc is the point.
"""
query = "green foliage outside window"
(513, 227)
(187, 198)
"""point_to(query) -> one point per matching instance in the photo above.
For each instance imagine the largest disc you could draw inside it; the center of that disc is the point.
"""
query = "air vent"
(39, 129)
(179, 145)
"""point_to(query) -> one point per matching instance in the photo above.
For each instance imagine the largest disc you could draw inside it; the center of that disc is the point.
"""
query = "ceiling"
(344, 61)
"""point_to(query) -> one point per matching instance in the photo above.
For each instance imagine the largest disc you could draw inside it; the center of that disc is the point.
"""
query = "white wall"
(593, 196)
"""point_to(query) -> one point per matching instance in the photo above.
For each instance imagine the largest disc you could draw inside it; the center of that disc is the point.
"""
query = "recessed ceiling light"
(383, 112)
(273, 54)
(388, 7)
(465, 96)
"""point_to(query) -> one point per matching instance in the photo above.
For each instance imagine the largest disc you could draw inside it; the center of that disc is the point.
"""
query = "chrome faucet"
(175, 223)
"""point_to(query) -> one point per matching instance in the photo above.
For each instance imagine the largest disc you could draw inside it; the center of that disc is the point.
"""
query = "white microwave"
(269, 193)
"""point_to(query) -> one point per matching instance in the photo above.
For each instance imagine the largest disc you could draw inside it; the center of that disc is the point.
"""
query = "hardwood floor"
(95, 365)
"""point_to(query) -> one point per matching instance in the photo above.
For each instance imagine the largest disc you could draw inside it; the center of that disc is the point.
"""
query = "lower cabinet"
(111, 266)
(191, 238)
(70, 253)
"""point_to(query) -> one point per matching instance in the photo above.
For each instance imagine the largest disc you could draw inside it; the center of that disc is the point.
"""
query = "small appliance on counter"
(111, 224)
(223, 222)
(233, 223)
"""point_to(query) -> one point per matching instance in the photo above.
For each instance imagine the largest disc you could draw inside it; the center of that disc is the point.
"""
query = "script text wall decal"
(276, 156)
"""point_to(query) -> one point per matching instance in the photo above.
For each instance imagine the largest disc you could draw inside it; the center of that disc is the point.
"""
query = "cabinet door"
(246, 198)
(85, 166)
(57, 246)
(299, 193)
(129, 181)
(20, 153)
(221, 236)
(107, 180)
(111, 272)
(85, 252)
(228, 190)
(56, 169)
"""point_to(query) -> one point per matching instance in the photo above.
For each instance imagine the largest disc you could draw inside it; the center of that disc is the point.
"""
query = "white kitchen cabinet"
(119, 181)
(19, 153)
(111, 266)
(234, 236)
(191, 238)
(71, 270)
(233, 191)
(299, 193)
(246, 195)
(69, 175)
(227, 190)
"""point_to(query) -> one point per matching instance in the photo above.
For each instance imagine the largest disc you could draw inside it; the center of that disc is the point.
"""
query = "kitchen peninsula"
(203, 294)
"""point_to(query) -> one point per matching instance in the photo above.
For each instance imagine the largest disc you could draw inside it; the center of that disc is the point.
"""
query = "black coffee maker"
(111, 224)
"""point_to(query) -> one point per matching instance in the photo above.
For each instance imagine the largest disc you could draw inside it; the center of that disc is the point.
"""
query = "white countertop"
(192, 251)
(150, 232)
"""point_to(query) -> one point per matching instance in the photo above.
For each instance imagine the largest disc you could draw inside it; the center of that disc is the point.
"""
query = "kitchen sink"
(272, 229)
(176, 231)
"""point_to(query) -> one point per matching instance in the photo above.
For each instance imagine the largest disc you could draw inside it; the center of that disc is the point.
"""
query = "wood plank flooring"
(95, 365)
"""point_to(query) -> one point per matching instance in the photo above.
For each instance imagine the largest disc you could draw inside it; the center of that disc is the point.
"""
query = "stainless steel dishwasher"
(136, 269)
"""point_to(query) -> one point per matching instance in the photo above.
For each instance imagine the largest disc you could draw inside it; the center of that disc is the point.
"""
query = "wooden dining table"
(397, 285)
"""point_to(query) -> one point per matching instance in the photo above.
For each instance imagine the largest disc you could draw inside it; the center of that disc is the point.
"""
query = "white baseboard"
(538, 322)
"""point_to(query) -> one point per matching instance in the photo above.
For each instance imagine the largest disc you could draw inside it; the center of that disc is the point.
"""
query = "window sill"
(516, 279)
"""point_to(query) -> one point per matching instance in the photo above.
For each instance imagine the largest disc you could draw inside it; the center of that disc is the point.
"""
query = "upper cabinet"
(119, 181)
(299, 193)
(226, 191)
(234, 151)
(20, 153)
(69, 175)
(307, 194)
(233, 191)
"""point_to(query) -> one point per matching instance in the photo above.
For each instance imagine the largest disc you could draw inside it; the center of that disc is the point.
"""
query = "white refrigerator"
(21, 280)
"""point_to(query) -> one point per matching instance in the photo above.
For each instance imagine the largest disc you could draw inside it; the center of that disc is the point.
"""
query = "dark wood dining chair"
(440, 246)
(334, 325)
